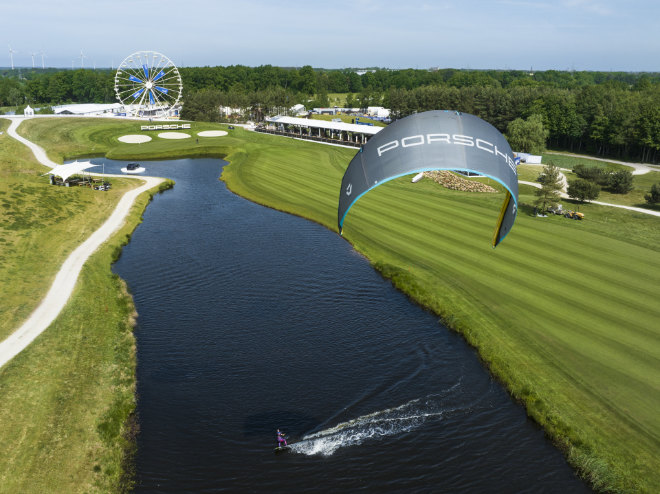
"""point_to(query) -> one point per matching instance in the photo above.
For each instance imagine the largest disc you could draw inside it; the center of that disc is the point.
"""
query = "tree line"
(610, 119)
(58, 86)
(614, 114)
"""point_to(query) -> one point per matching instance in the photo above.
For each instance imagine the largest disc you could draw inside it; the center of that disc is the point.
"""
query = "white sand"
(212, 133)
(173, 135)
(134, 138)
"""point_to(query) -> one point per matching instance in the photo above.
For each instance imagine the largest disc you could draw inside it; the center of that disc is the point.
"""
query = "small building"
(325, 111)
(529, 159)
(378, 111)
(28, 112)
(227, 111)
(297, 109)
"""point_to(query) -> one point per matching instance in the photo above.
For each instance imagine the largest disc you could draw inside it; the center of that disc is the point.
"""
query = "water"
(252, 320)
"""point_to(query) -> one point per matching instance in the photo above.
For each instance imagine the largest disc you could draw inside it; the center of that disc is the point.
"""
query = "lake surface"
(246, 324)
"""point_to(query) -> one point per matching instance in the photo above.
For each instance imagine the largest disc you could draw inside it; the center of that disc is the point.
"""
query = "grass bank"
(68, 399)
(563, 312)
(40, 226)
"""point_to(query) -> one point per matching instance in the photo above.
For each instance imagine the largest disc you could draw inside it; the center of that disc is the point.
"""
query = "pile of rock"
(454, 182)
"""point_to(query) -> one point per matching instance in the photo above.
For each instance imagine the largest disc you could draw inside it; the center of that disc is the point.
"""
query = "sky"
(607, 35)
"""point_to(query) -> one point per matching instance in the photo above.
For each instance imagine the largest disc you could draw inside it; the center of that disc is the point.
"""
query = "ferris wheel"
(147, 83)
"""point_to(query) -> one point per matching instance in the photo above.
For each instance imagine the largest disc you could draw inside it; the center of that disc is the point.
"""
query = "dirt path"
(631, 208)
(66, 278)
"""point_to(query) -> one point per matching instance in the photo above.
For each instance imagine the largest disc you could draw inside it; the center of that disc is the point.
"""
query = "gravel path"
(66, 278)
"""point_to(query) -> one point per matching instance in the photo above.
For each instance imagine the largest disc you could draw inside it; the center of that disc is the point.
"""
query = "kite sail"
(434, 140)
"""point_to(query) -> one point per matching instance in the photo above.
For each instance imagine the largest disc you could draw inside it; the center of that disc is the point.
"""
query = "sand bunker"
(134, 138)
(212, 133)
(173, 135)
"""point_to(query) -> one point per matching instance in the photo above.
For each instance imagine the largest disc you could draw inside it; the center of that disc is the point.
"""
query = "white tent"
(65, 171)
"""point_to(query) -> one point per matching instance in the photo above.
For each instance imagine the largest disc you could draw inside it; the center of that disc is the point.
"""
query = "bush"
(45, 110)
(583, 190)
(620, 182)
(594, 174)
(653, 197)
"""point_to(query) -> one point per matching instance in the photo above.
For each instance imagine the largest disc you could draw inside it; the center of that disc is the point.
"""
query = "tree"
(354, 82)
(350, 102)
(307, 80)
(529, 135)
(653, 197)
(620, 182)
(551, 185)
(599, 132)
(583, 190)
(15, 96)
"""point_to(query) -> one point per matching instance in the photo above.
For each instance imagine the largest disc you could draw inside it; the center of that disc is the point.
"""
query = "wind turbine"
(82, 56)
(11, 56)
(33, 54)
(43, 65)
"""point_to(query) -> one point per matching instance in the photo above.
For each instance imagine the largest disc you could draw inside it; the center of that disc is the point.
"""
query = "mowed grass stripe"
(612, 314)
(592, 296)
(590, 284)
(564, 312)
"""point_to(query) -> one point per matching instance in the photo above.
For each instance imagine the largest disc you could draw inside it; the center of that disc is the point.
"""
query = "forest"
(614, 114)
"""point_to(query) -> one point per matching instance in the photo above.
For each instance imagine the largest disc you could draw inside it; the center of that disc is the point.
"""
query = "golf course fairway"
(564, 313)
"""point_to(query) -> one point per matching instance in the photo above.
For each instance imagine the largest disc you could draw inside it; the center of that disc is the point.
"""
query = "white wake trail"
(373, 426)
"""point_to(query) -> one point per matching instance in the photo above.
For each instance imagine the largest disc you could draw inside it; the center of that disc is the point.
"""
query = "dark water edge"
(246, 325)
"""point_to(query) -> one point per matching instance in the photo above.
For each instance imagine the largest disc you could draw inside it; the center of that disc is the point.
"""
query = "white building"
(89, 109)
(227, 111)
(326, 111)
(529, 158)
(297, 109)
(324, 130)
(28, 112)
(378, 111)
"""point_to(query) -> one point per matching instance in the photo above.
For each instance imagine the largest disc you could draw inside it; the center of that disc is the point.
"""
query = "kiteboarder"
(281, 440)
